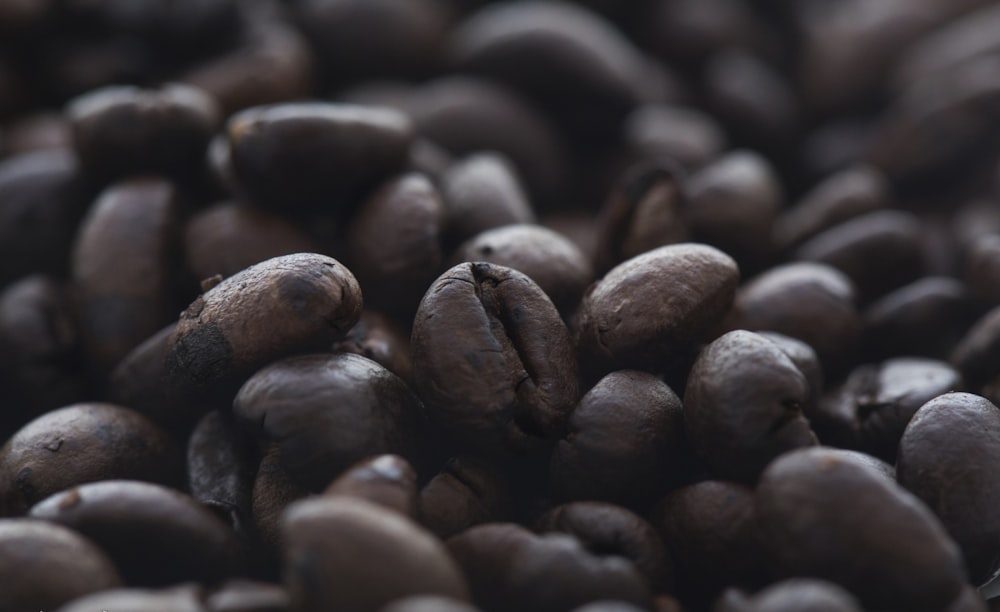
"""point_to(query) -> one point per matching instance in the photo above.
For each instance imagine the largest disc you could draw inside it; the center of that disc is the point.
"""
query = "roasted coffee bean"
(885, 547)
(608, 530)
(688, 31)
(645, 210)
(79, 444)
(744, 405)
(376, 337)
(976, 354)
(246, 596)
(653, 308)
(732, 204)
(879, 251)
(40, 360)
(156, 536)
(946, 458)
(184, 598)
(710, 532)
(327, 412)
(37, 132)
(169, 29)
(795, 595)
(492, 359)
(121, 130)
(982, 269)
(683, 134)
(849, 193)
(386, 480)
(805, 359)
(229, 237)
(395, 244)
(556, 265)
(348, 554)
(509, 567)
(872, 408)
(132, 229)
(428, 603)
(44, 566)
(468, 491)
(624, 442)
(42, 199)
(926, 318)
(273, 491)
(792, 299)
(481, 192)
(299, 157)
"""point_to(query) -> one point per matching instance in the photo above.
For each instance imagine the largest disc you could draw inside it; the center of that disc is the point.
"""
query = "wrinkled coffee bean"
(498, 341)
(386, 480)
(945, 459)
(468, 491)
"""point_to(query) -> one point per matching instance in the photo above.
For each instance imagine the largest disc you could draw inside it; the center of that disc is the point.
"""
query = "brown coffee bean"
(183, 598)
(805, 359)
(376, 337)
(156, 535)
(273, 491)
(624, 442)
(884, 546)
(131, 228)
(655, 307)
(241, 595)
(795, 595)
(428, 603)
(492, 359)
(79, 444)
(43, 566)
(683, 134)
(468, 491)
(976, 354)
(37, 132)
(348, 554)
(386, 480)
(946, 458)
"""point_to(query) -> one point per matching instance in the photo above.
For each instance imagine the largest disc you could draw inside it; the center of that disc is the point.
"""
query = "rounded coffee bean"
(273, 491)
(883, 545)
(348, 554)
(795, 595)
(428, 603)
(241, 595)
(655, 307)
(156, 536)
(976, 355)
(184, 598)
(468, 491)
(947, 458)
(43, 566)
(623, 442)
(327, 412)
(376, 337)
(744, 405)
(686, 135)
(493, 360)
(805, 359)
(79, 444)
(386, 480)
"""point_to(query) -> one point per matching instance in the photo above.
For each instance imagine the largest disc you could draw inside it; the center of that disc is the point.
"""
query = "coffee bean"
(376, 337)
(945, 458)
(801, 594)
(428, 603)
(654, 307)
(468, 491)
(156, 536)
(805, 359)
(492, 359)
(686, 135)
(885, 547)
(79, 444)
(183, 598)
(240, 595)
(386, 480)
(975, 355)
(273, 491)
(348, 554)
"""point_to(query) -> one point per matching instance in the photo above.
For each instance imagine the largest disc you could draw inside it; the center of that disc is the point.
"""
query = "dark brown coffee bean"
(946, 458)
(883, 545)
(732, 204)
(795, 595)
(872, 408)
(37, 132)
(849, 193)
(120, 130)
(132, 229)
(156, 535)
(348, 554)
(273, 491)
(805, 359)
(926, 318)
(982, 269)
(608, 530)
(40, 361)
(300, 157)
(655, 307)
(139, 381)
(245, 596)
(376, 337)
(79, 444)
(468, 491)
(688, 31)
(508, 568)
(492, 359)
(183, 598)
(229, 237)
(42, 199)
(683, 134)
(428, 603)
(559, 268)
(710, 530)
(744, 405)
(481, 192)
(976, 356)
(386, 480)
(43, 566)
(792, 298)
(169, 28)
(623, 444)
(327, 412)
(395, 243)
(644, 210)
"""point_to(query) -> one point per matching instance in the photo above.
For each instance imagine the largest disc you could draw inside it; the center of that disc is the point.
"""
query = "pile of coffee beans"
(528, 305)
